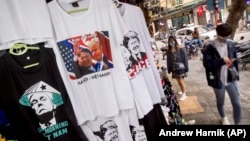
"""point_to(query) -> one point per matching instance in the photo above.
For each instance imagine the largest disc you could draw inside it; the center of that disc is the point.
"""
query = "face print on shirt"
(138, 60)
(134, 46)
(108, 131)
(44, 101)
(77, 63)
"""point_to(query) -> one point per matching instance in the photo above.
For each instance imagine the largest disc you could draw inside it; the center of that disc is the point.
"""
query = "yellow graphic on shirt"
(2, 138)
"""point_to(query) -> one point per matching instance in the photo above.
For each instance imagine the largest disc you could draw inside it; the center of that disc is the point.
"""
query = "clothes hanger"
(75, 4)
(31, 65)
(19, 49)
(76, 10)
(117, 3)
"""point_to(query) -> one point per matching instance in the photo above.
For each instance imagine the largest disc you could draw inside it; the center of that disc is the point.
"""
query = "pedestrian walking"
(221, 66)
(177, 64)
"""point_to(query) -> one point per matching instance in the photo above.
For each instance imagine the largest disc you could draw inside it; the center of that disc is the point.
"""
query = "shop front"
(181, 19)
(184, 15)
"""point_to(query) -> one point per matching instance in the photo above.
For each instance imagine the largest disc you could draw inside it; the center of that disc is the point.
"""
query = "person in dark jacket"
(219, 56)
(177, 55)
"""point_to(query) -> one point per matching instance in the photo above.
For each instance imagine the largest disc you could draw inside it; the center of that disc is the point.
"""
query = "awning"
(181, 9)
(185, 7)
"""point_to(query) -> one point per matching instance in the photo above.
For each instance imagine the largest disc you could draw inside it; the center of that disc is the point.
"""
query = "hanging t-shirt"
(136, 61)
(119, 127)
(24, 21)
(79, 35)
(35, 100)
(154, 119)
(134, 19)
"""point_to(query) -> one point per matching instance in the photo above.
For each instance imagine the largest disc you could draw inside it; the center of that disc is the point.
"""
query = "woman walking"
(177, 64)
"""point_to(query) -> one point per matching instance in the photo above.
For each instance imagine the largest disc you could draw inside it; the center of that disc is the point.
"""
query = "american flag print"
(66, 50)
(70, 46)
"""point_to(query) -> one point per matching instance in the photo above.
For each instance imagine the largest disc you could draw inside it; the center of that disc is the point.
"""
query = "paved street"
(197, 86)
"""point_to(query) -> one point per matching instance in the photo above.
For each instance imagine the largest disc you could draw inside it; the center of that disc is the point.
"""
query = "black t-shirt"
(22, 96)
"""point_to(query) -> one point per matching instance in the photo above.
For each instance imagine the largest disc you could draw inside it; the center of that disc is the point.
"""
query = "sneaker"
(225, 121)
(190, 122)
(183, 97)
(180, 93)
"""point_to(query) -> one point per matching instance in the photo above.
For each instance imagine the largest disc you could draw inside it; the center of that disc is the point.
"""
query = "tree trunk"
(236, 13)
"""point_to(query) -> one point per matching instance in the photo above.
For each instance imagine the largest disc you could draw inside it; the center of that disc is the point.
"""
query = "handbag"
(233, 73)
(164, 48)
(179, 66)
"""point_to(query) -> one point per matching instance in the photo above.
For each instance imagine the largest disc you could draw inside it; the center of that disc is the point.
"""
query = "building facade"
(164, 14)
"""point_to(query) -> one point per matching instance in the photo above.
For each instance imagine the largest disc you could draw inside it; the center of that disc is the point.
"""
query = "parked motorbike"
(241, 47)
(192, 49)
(243, 53)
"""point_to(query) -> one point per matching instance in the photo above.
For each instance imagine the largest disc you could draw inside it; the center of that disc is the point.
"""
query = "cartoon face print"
(111, 135)
(134, 45)
(109, 131)
(41, 102)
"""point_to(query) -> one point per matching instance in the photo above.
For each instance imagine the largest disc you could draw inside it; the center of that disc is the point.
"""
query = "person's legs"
(199, 43)
(181, 84)
(195, 42)
(220, 98)
(183, 87)
(233, 92)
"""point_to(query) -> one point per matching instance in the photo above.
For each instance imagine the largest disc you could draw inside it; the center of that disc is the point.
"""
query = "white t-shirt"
(109, 90)
(134, 20)
(136, 60)
(24, 21)
(118, 126)
(223, 51)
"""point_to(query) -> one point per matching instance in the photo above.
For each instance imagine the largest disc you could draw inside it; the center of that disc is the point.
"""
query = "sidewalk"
(197, 88)
(243, 30)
